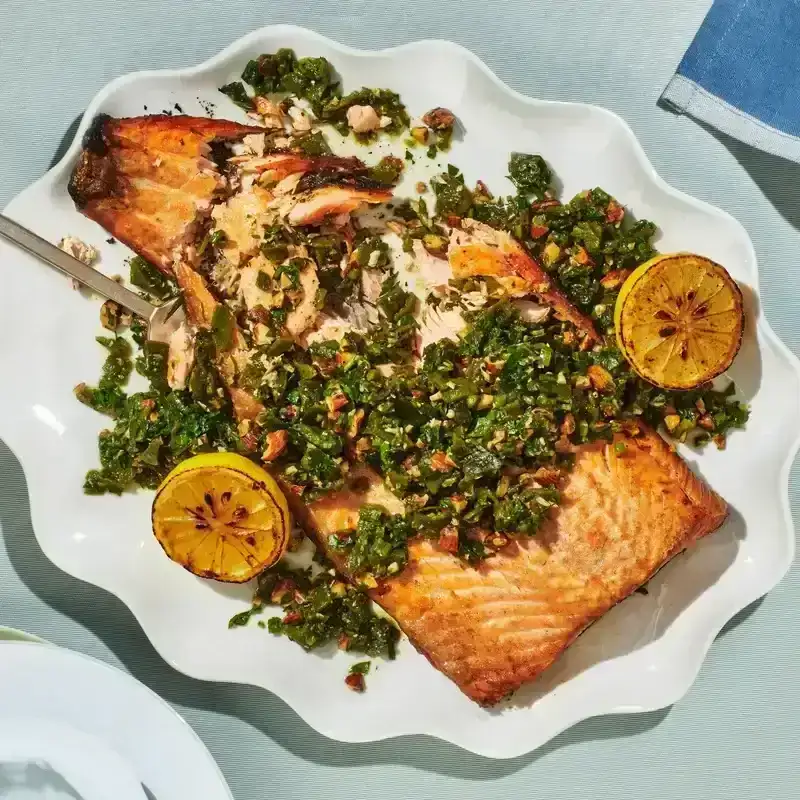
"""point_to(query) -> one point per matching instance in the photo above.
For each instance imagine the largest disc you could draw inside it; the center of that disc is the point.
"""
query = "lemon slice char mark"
(679, 320)
(221, 516)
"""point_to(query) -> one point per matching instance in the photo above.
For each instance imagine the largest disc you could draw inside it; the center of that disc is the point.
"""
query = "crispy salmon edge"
(98, 184)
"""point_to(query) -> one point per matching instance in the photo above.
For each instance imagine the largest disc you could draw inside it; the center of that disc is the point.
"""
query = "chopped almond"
(276, 444)
(441, 462)
(335, 402)
(548, 476)
(448, 539)
(615, 278)
(542, 204)
(600, 378)
(245, 406)
(587, 343)
(356, 423)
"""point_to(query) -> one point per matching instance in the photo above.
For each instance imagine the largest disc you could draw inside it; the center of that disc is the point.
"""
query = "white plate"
(643, 655)
(43, 759)
(47, 692)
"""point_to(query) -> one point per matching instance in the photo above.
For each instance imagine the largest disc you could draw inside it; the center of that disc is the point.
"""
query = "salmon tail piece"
(150, 180)
(624, 513)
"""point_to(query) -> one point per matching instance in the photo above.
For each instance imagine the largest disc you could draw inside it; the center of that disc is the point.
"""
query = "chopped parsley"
(313, 79)
(153, 282)
(319, 609)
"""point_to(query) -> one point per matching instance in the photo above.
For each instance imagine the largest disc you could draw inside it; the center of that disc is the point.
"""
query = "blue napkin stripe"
(690, 98)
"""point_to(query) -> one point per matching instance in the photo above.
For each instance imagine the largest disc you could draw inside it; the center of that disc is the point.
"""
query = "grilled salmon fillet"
(492, 627)
(149, 180)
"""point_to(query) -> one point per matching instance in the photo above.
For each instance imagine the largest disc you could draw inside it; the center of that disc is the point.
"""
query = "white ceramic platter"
(642, 655)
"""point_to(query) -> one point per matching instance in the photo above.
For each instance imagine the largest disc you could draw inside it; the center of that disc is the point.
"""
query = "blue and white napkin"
(742, 74)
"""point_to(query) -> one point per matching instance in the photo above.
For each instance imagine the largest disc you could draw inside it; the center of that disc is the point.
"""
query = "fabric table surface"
(735, 734)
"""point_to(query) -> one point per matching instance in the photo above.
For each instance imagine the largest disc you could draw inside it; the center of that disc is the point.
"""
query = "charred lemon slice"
(679, 320)
(221, 516)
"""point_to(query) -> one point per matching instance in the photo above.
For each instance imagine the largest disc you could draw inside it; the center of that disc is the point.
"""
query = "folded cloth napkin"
(742, 74)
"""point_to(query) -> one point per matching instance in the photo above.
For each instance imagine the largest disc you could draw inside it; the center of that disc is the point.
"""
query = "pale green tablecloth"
(736, 734)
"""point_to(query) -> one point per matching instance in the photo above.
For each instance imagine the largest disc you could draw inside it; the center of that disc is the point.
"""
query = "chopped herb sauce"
(474, 436)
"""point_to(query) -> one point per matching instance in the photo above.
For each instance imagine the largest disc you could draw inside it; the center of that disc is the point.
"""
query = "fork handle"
(88, 276)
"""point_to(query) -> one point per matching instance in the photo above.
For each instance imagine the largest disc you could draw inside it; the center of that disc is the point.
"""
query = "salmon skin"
(494, 626)
(150, 180)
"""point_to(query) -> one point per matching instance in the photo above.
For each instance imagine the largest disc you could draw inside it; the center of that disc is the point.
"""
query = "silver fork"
(162, 321)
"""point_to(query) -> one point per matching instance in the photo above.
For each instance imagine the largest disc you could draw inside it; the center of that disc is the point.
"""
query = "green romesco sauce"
(320, 609)
(314, 80)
